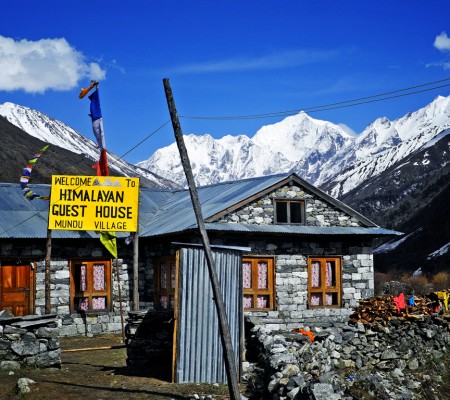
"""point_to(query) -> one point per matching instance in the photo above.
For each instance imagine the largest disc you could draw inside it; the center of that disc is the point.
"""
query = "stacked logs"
(382, 309)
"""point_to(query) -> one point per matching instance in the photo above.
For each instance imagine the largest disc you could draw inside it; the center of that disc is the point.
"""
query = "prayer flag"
(26, 175)
(97, 120)
(108, 239)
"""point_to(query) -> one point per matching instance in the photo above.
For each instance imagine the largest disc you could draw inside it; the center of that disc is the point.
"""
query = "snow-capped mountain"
(319, 151)
(298, 142)
(59, 134)
(382, 144)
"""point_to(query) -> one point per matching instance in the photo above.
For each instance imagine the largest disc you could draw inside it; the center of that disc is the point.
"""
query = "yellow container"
(444, 296)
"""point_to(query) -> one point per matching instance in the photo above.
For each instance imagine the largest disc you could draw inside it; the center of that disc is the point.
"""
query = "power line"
(331, 106)
(325, 107)
(146, 138)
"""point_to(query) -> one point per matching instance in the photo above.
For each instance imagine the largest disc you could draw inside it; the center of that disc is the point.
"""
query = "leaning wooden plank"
(119, 346)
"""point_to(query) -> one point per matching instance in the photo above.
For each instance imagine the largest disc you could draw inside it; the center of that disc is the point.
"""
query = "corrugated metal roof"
(177, 213)
(213, 246)
(162, 212)
(302, 230)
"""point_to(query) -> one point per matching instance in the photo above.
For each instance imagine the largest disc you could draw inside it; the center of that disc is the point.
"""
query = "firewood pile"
(382, 309)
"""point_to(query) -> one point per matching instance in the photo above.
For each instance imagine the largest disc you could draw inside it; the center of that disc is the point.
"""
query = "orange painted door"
(15, 289)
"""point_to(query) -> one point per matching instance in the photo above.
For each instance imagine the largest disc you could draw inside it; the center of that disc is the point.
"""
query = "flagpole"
(107, 238)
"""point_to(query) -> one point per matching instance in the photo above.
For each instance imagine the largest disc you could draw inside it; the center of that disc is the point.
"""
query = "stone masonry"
(292, 292)
(89, 324)
(30, 341)
(291, 259)
(318, 212)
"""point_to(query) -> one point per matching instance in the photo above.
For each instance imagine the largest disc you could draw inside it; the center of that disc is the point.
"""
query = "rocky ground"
(100, 374)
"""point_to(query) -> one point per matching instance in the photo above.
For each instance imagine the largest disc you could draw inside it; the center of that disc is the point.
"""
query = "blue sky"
(227, 58)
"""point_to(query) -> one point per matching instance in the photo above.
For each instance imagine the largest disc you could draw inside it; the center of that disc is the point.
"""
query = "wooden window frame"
(323, 290)
(254, 291)
(288, 211)
(90, 292)
(169, 291)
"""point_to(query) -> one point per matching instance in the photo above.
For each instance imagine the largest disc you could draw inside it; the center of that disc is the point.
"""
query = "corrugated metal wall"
(199, 354)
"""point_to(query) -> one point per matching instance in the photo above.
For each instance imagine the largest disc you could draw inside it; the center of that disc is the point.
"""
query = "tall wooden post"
(136, 271)
(230, 364)
(116, 261)
(48, 253)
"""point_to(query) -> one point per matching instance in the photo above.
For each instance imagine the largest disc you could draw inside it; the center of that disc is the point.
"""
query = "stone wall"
(291, 278)
(89, 324)
(383, 360)
(149, 340)
(318, 212)
(31, 341)
(292, 292)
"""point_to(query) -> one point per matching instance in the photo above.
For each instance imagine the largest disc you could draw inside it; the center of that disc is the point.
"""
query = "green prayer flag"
(108, 240)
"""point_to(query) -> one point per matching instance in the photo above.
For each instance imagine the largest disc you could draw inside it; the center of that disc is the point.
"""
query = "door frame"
(32, 280)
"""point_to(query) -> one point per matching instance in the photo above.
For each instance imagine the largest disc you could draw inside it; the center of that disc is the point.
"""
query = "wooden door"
(15, 285)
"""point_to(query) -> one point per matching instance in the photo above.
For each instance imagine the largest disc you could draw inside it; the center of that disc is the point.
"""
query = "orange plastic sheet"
(306, 333)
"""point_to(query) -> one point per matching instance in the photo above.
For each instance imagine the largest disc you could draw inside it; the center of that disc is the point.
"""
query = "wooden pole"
(136, 271)
(48, 305)
(120, 298)
(230, 364)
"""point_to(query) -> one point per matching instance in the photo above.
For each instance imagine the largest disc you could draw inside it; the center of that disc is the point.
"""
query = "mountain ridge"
(56, 133)
(321, 152)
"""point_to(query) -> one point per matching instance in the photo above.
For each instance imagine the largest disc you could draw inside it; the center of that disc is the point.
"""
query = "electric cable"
(330, 106)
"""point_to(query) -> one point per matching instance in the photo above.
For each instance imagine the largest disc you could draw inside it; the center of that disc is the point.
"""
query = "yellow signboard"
(94, 203)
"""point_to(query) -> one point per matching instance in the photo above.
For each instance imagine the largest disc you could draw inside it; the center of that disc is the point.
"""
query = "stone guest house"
(306, 257)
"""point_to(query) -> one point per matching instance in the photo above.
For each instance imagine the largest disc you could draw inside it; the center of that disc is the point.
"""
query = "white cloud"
(347, 129)
(442, 42)
(37, 66)
(441, 64)
(281, 60)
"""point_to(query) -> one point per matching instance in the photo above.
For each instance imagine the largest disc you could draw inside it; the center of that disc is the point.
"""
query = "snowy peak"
(423, 123)
(296, 142)
(47, 129)
(217, 160)
(57, 133)
(319, 151)
(299, 134)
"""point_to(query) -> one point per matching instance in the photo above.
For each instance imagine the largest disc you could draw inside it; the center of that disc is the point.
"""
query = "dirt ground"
(99, 375)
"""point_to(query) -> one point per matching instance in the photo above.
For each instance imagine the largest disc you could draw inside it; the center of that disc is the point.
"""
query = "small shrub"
(441, 281)
(417, 285)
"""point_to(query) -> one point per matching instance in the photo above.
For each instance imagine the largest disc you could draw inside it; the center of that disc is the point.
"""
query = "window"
(258, 283)
(90, 288)
(289, 212)
(165, 283)
(324, 282)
